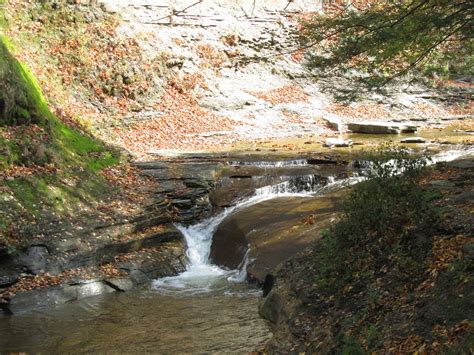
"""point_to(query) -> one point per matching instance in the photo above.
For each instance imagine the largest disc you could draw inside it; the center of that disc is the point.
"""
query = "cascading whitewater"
(202, 277)
(291, 185)
(271, 164)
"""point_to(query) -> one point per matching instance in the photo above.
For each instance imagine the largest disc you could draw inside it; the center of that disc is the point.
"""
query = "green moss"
(3, 20)
(22, 114)
(74, 141)
(22, 99)
(81, 149)
(105, 160)
(76, 155)
(9, 153)
(68, 144)
(25, 194)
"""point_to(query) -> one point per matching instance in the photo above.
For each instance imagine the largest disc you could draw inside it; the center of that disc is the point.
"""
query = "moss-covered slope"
(46, 167)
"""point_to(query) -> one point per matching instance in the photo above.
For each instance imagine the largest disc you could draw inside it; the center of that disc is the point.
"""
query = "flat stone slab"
(55, 295)
(380, 127)
(413, 140)
(338, 142)
(466, 163)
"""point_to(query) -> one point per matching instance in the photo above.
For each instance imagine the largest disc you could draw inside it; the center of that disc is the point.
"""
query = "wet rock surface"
(191, 188)
(413, 140)
(274, 231)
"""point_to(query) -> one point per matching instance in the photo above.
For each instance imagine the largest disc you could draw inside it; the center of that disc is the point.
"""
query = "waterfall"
(292, 185)
(271, 164)
(201, 276)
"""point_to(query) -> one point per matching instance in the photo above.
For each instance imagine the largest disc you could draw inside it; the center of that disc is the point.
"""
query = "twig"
(175, 13)
(289, 2)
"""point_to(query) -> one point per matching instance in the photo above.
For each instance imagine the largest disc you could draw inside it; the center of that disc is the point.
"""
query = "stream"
(141, 321)
(205, 309)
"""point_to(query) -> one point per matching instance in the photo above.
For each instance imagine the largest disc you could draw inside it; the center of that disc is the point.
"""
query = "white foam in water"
(451, 155)
(271, 164)
(241, 276)
(202, 277)
(293, 185)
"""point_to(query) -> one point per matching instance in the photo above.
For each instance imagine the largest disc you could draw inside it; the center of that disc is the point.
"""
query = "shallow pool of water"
(142, 321)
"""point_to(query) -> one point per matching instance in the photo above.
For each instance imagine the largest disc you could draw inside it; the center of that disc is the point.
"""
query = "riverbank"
(293, 304)
(70, 203)
(375, 313)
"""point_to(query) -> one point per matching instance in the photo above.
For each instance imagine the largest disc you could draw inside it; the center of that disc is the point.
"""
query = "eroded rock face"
(307, 320)
(137, 268)
(35, 259)
(274, 230)
(229, 245)
(244, 50)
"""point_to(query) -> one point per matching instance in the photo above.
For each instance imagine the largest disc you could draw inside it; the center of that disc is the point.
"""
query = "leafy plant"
(383, 229)
(384, 39)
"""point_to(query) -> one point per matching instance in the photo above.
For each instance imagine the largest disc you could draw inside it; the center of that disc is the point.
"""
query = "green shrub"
(385, 228)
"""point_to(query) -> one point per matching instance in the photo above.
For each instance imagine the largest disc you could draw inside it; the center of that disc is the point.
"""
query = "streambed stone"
(413, 140)
(55, 295)
(381, 127)
(338, 142)
(35, 259)
(334, 122)
(8, 277)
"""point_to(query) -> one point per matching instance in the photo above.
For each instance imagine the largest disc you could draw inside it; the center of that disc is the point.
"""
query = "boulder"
(8, 277)
(34, 259)
(55, 295)
(465, 163)
(87, 288)
(381, 127)
(229, 245)
(272, 308)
